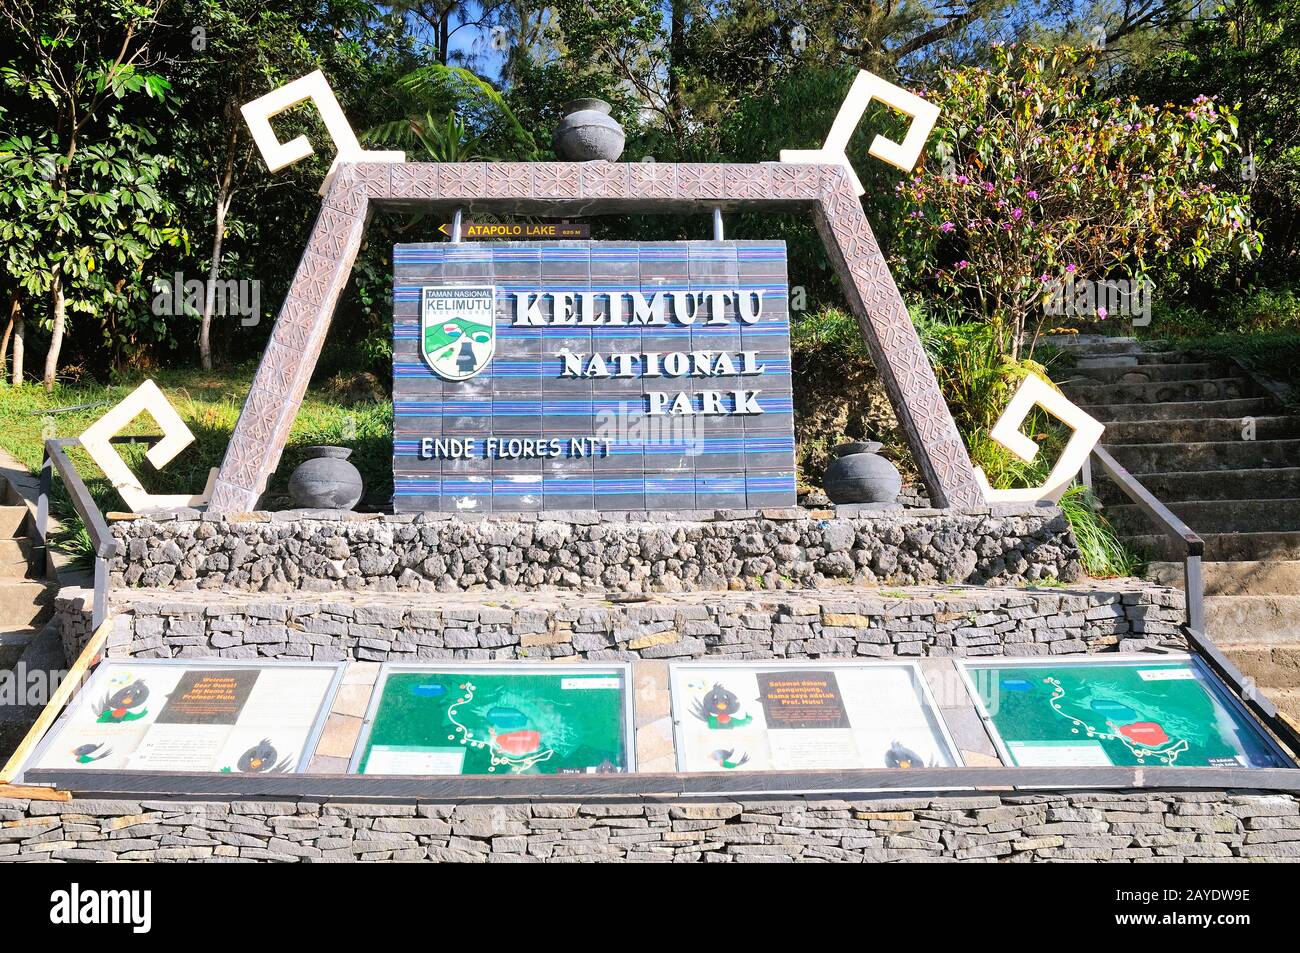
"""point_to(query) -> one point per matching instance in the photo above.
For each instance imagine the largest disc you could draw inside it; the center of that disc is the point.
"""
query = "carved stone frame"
(569, 188)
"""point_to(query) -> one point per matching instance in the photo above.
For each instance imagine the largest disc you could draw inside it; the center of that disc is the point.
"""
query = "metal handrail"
(105, 546)
(1169, 523)
(1245, 688)
(1194, 596)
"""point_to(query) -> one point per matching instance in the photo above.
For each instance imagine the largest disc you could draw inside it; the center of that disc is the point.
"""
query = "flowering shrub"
(1038, 184)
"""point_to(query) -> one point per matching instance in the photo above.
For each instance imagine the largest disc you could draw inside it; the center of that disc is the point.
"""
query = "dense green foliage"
(1077, 139)
(1038, 181)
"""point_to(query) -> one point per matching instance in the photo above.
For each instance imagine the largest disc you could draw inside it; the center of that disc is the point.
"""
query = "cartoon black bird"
(726, 758)
(901, 756)
(720, 708)
(117, 707)
(261, 758)
(86, 753)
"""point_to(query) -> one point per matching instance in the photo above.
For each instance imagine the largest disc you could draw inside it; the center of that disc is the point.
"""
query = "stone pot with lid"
(588, 132)
(858, 474)
(326, 480)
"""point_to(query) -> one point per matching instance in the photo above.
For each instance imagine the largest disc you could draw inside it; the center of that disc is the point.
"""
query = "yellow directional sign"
(488, 230)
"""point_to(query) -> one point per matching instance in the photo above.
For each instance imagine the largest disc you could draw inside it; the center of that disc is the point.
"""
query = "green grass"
(1104, 553)
(209, 403)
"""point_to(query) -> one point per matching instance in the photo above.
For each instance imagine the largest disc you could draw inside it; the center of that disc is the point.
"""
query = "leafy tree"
(239, 50)
(451, 115)
(1246, 52)
(82, 178)
(1037, 182)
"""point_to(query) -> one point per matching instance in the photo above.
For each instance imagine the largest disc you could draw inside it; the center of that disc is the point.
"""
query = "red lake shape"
(1146, 733)
(519, 742)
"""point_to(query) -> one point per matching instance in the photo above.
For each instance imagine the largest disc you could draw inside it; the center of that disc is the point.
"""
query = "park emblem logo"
(458, 333)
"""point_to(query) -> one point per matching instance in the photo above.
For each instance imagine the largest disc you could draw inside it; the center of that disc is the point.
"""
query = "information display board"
(514, 718)
(787, 716)
(1121, 710)
(193, 715)
(591, 376)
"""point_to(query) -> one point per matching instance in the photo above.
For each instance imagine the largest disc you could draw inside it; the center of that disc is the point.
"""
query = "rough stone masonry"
(929, 621)
(769, 549)
(1154, 827)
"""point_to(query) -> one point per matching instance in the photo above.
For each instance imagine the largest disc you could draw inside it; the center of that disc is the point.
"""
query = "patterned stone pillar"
(895, 348)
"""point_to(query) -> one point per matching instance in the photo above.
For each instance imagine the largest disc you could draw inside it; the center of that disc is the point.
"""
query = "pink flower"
(963, 263)
(1043, 278)
(962, 180)
(1069, 269)
(1101, 313)
(947, 227)
(1016, 213)
(988, 186)
(1032, 194)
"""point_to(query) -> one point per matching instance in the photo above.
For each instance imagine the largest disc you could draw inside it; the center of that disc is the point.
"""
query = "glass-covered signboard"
(788, 716)
(516, 718)
(193, 715)
(1120, 710)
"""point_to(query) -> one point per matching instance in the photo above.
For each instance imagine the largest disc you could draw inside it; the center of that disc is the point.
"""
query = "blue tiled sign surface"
(623, 376)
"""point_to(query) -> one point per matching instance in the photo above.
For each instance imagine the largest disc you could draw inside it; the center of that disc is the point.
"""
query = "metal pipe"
(43, 512)
(1194, 592)
(717, 224)
(99, 610)
(455, 226)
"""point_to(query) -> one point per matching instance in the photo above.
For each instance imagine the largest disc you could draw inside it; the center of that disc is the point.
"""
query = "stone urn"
(325, 480)
(588, 132)
(860, 475)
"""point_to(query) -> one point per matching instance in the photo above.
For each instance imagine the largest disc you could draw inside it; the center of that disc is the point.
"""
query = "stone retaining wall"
(1128, 615)
(769, 549)
(1105, 826)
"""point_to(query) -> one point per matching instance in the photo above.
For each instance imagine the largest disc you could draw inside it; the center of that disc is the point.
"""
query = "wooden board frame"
(1214, 685)
(50, 732)
(624, 670)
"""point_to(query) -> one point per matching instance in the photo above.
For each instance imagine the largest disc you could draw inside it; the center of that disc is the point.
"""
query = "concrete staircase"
(1219, 450)
(26, 603)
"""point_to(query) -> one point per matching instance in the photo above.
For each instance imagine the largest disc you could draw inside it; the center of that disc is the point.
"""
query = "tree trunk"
(676, 51)
(9, 330)
(59, 309)
(19, 328)
(224, 197)
(444, 34)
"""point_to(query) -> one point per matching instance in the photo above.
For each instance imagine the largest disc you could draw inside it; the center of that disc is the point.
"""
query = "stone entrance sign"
(591, 375)
(562, 189)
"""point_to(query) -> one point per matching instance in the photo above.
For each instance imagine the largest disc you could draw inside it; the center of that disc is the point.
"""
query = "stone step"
(1226, 547)
(1215, 516)
(1142, 458)
(1203, 430)
(1093, 345)
(13, 521)
(24, 602)
(15, 558)
(1107, 361)
(1161, 392)
(1247, 577)
(14, 639)
(1287, 701)
(1278, 483)
(1275, 666)
(1182, 409)
(1143, 373)
(1261, 618)
(44, 653)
